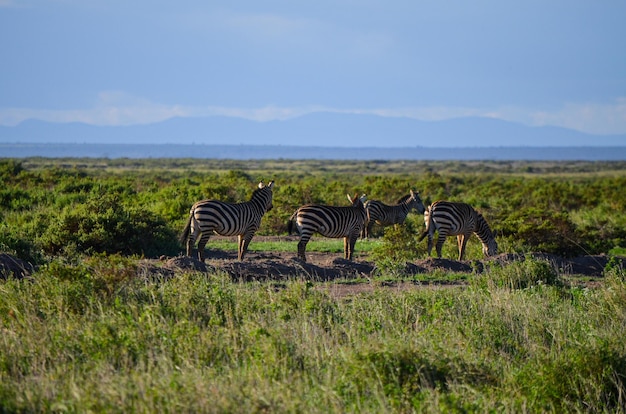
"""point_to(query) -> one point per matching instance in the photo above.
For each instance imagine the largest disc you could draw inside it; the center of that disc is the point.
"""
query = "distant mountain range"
(323, 129)
(250, 152)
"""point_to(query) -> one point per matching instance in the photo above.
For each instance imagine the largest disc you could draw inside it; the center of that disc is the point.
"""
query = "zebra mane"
(403, 199)
(481, 223)
(262, 187)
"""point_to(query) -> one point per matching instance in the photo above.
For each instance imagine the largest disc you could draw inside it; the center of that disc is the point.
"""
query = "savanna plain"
(100, 311)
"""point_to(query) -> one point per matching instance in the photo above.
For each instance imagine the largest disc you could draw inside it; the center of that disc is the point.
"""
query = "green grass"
(93, 331)
(96, 337)
(618, 251)
(317, 244)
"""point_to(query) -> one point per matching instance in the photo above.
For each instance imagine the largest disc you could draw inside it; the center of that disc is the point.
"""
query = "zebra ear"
(261, 184)
(271, 183)
(349, 198)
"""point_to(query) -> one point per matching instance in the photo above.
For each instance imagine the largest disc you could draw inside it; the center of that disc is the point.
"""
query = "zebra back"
(386, 215)
(330, 221)
(460, 218)
(234, 218)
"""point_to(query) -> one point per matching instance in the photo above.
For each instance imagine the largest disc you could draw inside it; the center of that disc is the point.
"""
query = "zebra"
(330, 221)
(227, 219)
(385, 215)
(458, 219)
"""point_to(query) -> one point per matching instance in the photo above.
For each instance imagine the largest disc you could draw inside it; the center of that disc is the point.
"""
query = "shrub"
(9, 169)
(11, 241)
(543, 230)
(105, 225)
(398, 246)
(521, 275)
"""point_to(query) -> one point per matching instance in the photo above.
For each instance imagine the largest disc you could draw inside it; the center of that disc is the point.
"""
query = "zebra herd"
(350, 222)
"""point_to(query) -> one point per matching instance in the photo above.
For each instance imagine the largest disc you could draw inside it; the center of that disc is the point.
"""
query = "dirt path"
(331, 266)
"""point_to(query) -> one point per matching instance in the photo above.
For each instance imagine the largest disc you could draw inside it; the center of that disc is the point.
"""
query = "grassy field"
(98, 336)
(93, 331)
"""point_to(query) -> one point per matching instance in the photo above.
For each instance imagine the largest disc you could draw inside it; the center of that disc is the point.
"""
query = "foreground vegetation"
(93, 330)
(101, 336)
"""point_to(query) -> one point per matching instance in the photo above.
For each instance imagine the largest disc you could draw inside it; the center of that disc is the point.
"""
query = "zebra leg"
(349, 246)
(302, 249)
(430, 243)
(440, 240)
(239, 247)
(462, 241)
(305, 236)
(204, 239)
(191, 240)
(244, 241)
(367, 229)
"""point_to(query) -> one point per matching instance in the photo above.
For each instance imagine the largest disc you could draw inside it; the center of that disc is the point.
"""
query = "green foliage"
(520, 275)
(399, 245)
(45, 204)
(96, 336)
(10, 169)
(103, 224)
(543, 230)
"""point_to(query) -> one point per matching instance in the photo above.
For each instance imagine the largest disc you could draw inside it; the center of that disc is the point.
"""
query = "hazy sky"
(112, 62)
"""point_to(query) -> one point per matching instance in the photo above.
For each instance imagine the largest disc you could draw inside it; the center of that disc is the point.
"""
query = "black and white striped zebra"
(457, 219)
(330, 221)
(227, 219)
(386, 215)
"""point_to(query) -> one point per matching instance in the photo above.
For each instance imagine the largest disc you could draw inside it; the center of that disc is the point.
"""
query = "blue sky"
(113, 62)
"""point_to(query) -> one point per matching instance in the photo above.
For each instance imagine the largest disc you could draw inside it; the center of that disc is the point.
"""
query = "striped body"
(227, 219)
(457, 219)
(329, 221)
(386, 215)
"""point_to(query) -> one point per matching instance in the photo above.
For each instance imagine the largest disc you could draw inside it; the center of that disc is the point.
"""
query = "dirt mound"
(431, 264)
(592, 265)
(13, 267)
(185, 263)
(328, 266)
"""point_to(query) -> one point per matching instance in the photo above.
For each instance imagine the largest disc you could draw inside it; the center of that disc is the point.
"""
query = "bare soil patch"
(329, 266)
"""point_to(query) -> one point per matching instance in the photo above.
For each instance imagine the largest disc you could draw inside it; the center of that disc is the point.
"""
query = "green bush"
(399, 245)
(105, 225)
(542, 230)
(520, 275)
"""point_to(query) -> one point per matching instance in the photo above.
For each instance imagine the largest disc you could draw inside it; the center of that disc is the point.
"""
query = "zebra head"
(357, 201)
(491, 248)
(488, 239)
(416, 202)
(264, 194)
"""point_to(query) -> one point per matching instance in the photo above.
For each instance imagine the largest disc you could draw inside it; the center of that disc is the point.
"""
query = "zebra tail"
(290, 223)
(185, 236)
(428, 224)
(424, 234)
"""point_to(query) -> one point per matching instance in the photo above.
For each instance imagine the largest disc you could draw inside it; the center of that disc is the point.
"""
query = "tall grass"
(103, 335)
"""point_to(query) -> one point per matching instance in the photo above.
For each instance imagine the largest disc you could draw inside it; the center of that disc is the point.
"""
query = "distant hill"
(323, 129)
(249, 152)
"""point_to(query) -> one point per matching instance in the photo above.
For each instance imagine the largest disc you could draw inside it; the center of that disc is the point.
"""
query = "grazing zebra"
(330, 221)
(227, 219)
(460, 220)
(385, 215)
